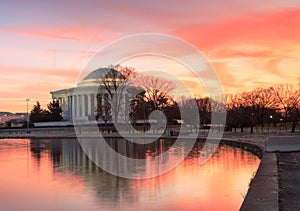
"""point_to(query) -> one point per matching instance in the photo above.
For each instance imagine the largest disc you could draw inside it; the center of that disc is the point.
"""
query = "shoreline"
(256, 148)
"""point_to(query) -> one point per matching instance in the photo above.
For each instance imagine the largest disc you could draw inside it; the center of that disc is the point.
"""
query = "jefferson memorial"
(89, 98)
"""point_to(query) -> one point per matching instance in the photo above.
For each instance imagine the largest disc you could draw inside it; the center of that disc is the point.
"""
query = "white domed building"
(88, 101)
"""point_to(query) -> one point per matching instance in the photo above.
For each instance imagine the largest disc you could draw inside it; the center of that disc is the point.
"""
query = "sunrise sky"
(45, 44)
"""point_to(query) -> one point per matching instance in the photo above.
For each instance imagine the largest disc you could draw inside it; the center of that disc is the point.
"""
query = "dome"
(102, 73)
(97, 76)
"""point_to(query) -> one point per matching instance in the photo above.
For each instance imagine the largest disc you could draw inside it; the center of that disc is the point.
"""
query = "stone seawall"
(263, 192)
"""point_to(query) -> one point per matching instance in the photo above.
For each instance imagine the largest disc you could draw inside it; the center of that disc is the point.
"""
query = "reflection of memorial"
(88, 99)
(109, 192)
(68, 156)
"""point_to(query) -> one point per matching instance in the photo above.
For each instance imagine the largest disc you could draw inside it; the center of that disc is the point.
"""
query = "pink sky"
(45, 45)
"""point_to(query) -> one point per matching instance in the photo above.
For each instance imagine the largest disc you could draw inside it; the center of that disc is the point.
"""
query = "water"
(56, 175)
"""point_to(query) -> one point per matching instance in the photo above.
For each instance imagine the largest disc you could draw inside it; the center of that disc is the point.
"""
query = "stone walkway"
(276, 185)
(289, 180)
(263, 192)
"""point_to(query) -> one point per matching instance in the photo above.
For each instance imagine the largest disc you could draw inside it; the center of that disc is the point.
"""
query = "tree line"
(279, 104)
(254, 109)
(274, 105)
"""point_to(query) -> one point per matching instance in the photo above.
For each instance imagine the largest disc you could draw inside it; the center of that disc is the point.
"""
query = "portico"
(84, 105)
(85, 101)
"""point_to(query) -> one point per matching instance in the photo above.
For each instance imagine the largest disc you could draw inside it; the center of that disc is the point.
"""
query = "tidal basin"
(55, 174)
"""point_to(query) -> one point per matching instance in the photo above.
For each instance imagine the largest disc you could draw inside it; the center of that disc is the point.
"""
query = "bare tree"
(287, 99)
(218, 112)
(251, 107)
(156, 95)
(262, 102)
(258, 105)
(157, 90)
(204, 106)
(115, 82)
(235, 104)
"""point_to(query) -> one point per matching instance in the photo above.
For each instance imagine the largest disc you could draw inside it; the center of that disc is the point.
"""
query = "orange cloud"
(264, 27)
(251, 50)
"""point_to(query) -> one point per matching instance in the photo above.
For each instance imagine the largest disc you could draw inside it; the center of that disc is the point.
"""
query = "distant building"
(2, 124)
(9, 119)
(16, 124)
(87, 100)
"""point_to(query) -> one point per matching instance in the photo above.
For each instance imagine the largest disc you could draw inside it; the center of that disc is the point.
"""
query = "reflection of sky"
(59, 175)
(45, 44)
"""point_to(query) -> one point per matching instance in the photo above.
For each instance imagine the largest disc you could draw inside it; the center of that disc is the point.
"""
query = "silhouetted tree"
(204, 106)
(115, 83)
(54, 111)
(234, 111)
(157, 90)
(287, 99)
(38, 114)
(139, 108)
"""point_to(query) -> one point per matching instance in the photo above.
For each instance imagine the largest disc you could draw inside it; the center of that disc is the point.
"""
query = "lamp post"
(271, 117)
(27, 100)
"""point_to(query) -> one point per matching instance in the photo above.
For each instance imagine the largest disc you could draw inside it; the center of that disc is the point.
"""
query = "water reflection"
(57, 175)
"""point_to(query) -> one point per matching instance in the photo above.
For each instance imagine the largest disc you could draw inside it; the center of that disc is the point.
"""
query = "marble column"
(83, 105)
(63, 107)
(77, 105)
(95, 105)
(70, 107)
(73, 100)
(86, 103)
(89, 103)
